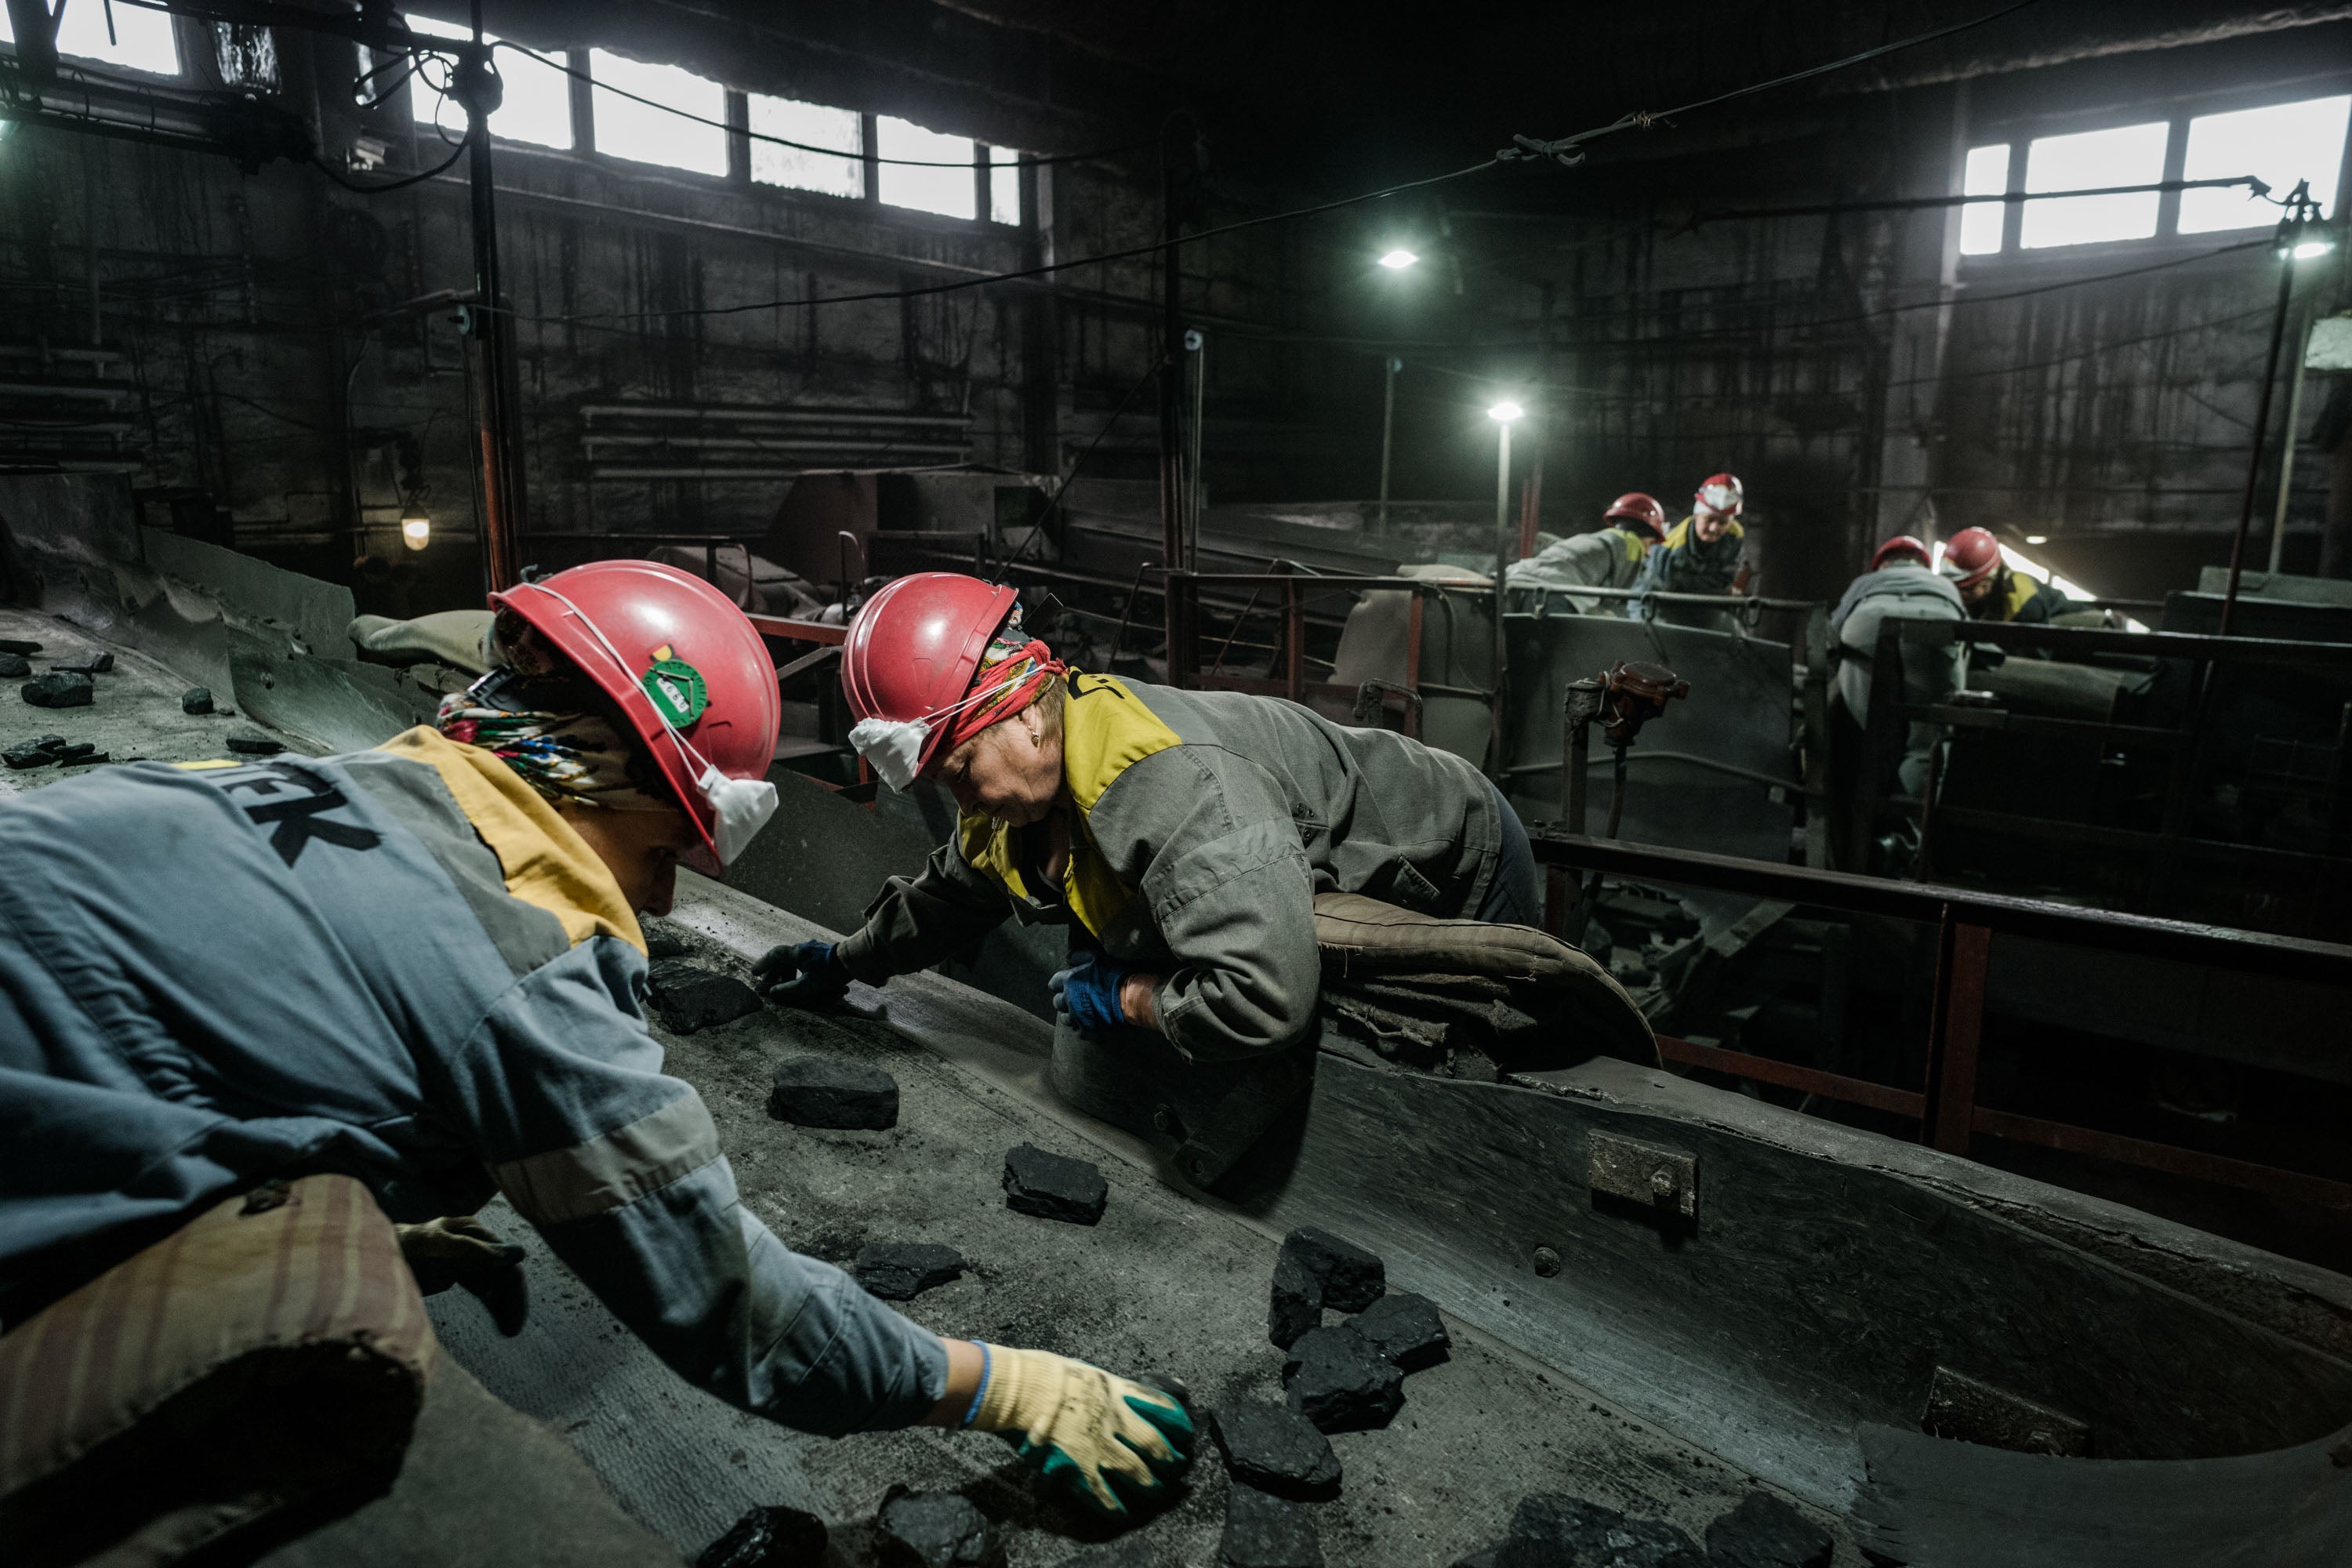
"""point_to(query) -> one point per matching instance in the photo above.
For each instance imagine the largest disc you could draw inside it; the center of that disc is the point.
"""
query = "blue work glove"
(1088, 991)
(808, 974)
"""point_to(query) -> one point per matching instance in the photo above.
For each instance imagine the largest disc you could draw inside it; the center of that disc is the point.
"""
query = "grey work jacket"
(1205, 822)
(1608, 558)
(1906, 592)
(402, 966)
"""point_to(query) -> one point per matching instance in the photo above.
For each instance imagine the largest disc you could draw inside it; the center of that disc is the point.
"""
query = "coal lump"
(1353, 1278)
(902, 1270)
(767, 1537)
(832, 1092)
(199, 699)
(691, 997)
(1340, 1383)
(1297, 1301)
(1406, 1328)
(935, 1529)
(1054, 1186)
(1765, 1532)
(1277, 1450)
(59, 688)
(247, 743)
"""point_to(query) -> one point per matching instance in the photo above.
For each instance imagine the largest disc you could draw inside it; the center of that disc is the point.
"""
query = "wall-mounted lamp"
(415, 528)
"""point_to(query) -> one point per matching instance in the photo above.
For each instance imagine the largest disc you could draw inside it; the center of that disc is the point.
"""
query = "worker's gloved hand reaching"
(458, 1249)
(1088, 991)
(805, 975)
(1107, 1442)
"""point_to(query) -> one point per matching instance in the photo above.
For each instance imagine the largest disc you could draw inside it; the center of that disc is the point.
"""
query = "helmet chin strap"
(739, 807)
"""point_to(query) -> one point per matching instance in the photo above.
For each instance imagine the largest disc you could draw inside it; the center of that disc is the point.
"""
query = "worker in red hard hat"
(1901, 584)
(421, 966)
(1184, 833)
(1902, 547)
(1707, 552)
(1973, 563)
(1609, 557)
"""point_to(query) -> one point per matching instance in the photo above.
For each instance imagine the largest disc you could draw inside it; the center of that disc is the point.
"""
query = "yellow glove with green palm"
(1114, 1443)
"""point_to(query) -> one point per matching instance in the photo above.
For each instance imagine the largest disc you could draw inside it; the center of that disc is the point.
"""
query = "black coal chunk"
(73, 750)
(1340, 1383)
(691, 997)
(254, 745)
(1553, 1530)
(935, 1529)
(1482, 1558)
(1353, 1278)
(1298, 1302)
(59, 688)
(199, 699)
(767, 1537)
(18, 646)
(1765, 1532)
(87, 756)
(828, 1091)
(1054, 1186)
(1278, 1451)
(663, 941)
(15, 667)
(1406, 1328)
(902, 1270)
(89, 664)
(26, 756)
(1262, 1531)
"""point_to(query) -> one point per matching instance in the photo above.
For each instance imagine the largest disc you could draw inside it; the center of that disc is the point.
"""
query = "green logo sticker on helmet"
(678, 691)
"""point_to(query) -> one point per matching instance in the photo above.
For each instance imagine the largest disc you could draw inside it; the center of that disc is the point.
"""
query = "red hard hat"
(648, 634)
(1722, 495)
(1972, 555)
(914, 648)
(1635, 507)
(1902, 544)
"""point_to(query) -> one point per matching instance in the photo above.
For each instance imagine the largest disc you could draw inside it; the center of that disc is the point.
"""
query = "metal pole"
(1172, 548)
(493, 328)
(2262, 419)
(2286, 450)
(1502, 560)
(1388, 433)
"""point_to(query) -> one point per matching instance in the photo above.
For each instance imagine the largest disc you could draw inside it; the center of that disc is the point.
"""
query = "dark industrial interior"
(1915, 1130)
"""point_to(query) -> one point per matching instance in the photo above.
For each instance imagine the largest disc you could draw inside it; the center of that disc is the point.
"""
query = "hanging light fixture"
(415, 526)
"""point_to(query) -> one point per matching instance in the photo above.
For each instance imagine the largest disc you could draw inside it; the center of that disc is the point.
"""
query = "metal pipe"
(1502, 561)
(2286, 448)
(1388, 433)
(2261, 421)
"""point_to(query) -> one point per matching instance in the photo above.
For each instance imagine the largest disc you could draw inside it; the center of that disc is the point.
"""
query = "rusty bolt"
(1662, 1181)
(1547, 1262)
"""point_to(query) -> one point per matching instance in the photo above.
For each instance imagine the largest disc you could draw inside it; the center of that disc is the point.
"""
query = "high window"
(1003, 185)
(626, 127)
(135, 39)
(810, 125)
(2278, 143)
(537, 107)
(952, 191)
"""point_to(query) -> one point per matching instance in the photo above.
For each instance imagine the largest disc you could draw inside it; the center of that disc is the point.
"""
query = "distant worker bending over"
(421, 966)
(1609, 557)
(1991, 589)
(1705, 553)
(1183, 834)
(1900, 584)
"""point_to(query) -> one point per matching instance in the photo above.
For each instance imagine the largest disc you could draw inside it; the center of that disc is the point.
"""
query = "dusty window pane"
(1003, 185)
(812, 125)
(949, 192)
(2126, 155)
(1987, 176)
(142, 39)
(537, 107)
(2280, 143)
(639, 132)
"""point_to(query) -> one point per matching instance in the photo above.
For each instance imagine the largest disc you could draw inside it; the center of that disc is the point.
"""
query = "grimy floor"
(1165, 1282)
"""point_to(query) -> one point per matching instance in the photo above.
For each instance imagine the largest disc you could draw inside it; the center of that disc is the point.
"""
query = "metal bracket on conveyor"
(1649, 1176)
